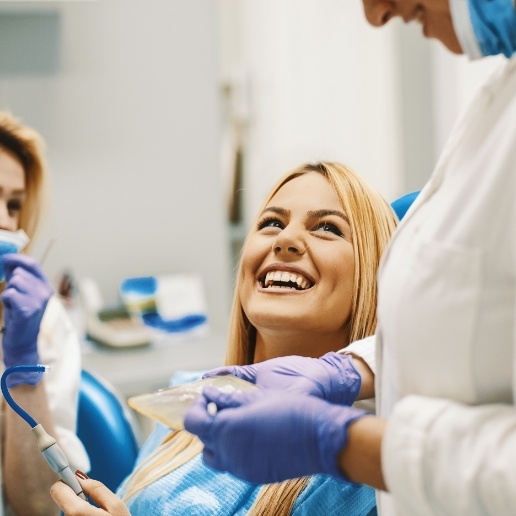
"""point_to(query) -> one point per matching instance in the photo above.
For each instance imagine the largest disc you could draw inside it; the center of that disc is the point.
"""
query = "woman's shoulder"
(331, 497)
(194, 489)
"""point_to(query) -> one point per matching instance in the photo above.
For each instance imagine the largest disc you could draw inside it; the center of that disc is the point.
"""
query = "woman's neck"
(310, 344)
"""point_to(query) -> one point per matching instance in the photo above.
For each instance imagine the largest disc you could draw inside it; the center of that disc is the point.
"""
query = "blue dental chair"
(107, 430)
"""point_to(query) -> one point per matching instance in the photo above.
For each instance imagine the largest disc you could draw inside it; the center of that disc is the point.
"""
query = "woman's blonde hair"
(372, 222)
(27, 146)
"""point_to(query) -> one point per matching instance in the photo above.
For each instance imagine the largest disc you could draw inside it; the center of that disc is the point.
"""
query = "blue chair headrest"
(403, 203)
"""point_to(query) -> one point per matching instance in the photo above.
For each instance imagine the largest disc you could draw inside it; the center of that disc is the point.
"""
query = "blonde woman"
(306, 285)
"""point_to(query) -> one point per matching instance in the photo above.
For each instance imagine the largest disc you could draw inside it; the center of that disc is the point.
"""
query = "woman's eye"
(270, 223)
(14, 206)
(329, 227)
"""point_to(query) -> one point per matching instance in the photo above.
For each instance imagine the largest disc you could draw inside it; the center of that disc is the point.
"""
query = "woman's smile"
(284, 279)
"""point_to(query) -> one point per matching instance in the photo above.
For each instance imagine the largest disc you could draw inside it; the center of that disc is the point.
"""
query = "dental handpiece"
(47, 445)
(56, 459)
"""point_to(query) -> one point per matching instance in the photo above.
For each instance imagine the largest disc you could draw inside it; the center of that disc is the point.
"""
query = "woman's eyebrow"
(324, 213)
(276, 209)
(15, 193)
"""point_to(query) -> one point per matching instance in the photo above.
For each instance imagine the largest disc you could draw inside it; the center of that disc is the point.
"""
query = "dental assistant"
(36, 330)
(444, 438)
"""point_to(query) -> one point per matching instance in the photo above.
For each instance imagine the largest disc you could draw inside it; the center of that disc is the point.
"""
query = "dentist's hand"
(108, 502)
(25, 299)
(333, 377)
(269, 436)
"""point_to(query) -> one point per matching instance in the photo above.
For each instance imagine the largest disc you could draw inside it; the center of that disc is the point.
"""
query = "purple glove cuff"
(345, 380)
(24, 378)
(333, 437)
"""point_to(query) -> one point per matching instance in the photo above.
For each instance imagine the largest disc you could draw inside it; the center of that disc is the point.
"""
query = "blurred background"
(167, 121)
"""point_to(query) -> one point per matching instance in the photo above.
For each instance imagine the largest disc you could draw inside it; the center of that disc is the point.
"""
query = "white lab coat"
(446, 343)
(59, 347)
(366, 350)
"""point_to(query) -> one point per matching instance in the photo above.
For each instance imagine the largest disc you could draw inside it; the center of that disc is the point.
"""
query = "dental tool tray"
(114, 327)
(169, 406)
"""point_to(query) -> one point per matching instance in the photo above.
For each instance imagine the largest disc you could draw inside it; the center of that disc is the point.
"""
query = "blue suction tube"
(7, 395)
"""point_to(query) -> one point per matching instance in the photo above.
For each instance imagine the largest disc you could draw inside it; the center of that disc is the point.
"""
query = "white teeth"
(285, 277)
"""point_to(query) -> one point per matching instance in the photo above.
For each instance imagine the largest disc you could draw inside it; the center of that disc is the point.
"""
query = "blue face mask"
(485, 27)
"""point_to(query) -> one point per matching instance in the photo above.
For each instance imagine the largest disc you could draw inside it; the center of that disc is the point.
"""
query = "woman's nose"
(378, 12)
(289, 242)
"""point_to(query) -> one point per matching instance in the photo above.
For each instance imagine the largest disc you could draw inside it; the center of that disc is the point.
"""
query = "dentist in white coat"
(443, 441)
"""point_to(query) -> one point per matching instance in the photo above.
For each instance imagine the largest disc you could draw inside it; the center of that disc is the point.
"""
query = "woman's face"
(298, 263)
(12, 191)
(433, 15)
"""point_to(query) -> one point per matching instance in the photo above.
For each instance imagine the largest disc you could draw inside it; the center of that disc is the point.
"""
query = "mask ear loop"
(47, 445)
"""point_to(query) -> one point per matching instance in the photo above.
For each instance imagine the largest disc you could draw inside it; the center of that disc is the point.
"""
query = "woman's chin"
(279, 319)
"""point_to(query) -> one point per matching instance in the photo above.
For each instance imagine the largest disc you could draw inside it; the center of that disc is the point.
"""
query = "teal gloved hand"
(332, 377)
(25, 299)
(269, 436)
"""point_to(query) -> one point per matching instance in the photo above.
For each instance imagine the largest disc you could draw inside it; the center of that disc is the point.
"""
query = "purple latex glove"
(332, 377)
(25, 299)
(268, 435)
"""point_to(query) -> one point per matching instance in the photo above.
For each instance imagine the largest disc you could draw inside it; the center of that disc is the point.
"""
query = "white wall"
(126, 94)
(321, 84)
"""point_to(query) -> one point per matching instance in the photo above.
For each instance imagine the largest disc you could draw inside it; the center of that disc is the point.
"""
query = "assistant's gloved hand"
(268, 435)
(332, 377)
(25, 299)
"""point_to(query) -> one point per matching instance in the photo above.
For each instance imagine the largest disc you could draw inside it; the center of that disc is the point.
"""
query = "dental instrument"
(168, 406)
(212, 409)
(46, 251)
(47, 445)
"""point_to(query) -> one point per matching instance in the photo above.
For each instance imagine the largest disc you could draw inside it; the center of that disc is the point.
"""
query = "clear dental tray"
(168, 406)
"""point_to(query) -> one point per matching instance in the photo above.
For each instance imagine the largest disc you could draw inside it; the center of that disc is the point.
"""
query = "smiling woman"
(305, 286)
